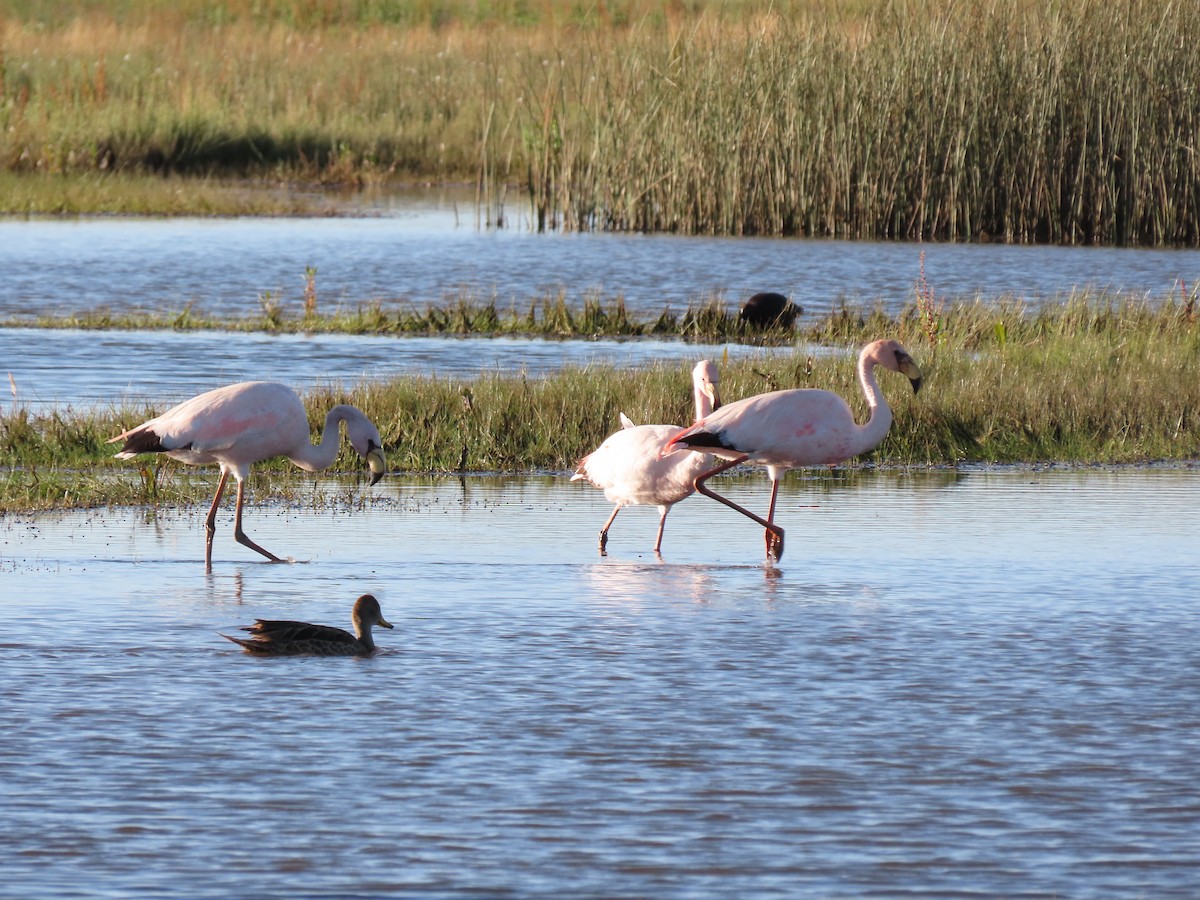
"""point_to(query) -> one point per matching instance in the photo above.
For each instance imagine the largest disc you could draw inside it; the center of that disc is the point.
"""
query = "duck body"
(282, 637)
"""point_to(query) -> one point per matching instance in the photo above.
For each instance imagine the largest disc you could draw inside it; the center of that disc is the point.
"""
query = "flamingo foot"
(774, 544)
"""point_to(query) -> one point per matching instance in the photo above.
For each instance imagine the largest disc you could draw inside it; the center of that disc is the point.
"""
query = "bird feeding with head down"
(242, 424)
(273, 637)
(794, 428)
(629, 469)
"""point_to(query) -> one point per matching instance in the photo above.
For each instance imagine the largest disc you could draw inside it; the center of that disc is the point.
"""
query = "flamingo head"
(706, 380)
(892, 356)
(364, 438)
(376, 461)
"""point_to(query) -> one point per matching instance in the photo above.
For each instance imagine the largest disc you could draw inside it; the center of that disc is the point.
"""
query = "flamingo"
(241, 424)
(787, 429)
(283, 638)
(627, 465)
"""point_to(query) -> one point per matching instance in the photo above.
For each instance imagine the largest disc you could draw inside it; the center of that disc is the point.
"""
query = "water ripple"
(995, 709)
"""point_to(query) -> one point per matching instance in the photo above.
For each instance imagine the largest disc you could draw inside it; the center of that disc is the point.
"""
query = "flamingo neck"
(876, 427)
(702, 400)
(312, 457)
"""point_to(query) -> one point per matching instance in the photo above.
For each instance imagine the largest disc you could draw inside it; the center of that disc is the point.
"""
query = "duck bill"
(383, 623)
(377, 463)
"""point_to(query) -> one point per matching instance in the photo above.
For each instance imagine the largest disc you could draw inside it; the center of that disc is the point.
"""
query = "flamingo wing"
(250, 421)
(781, 428)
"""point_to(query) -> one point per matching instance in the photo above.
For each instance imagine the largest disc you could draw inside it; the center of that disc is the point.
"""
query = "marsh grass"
(128, 193)
(1084, 382)
(1026, 121)
(465, 314)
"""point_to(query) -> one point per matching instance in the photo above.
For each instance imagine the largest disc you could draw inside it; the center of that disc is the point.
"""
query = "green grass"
(1025, 121)
(131, 194)
(550, 316)
(1096, 381)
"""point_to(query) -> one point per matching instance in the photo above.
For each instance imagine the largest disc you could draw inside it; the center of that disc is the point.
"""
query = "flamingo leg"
(238, 534)
(210, 523)
(662, 522)
(774, 548)
(774, 540)
(604, 530)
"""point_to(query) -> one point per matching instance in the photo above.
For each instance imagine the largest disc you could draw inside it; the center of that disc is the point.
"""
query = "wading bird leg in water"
(210, 523)
(774, 534)
(239, 535)
(604, 531)
(774, 541)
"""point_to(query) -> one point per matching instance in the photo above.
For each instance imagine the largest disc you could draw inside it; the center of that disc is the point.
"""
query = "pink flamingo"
(630, 470)
(788, 429)
(241, 424)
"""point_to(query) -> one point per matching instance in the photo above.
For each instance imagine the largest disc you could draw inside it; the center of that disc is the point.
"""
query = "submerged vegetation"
(1030, 121)
(1088, 381)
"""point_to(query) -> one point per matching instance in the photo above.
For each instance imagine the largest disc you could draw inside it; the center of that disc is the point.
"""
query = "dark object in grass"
(769, 310)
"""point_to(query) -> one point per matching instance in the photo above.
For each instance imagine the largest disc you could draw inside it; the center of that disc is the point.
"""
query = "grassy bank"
(550, 316)
(1032, 121)
(1084, 383)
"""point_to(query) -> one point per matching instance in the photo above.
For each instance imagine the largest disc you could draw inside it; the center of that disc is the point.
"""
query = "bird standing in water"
(283, 638)
(241, 424)
(627, 465)
(788, 429)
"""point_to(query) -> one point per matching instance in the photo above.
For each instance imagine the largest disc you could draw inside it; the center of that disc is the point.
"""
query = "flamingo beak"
(909, 369)
(713, 395)
(377, 462)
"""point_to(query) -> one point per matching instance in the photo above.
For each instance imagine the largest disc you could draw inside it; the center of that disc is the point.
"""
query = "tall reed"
(1071, 123)
(948, 119)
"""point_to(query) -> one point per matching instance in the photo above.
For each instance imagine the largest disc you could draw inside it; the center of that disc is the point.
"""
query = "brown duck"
(283, 638)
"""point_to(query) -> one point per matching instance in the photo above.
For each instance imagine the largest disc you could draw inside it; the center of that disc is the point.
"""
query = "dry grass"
(1032, 121)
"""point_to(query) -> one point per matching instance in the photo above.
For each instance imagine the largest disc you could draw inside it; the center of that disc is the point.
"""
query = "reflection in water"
(945, 692)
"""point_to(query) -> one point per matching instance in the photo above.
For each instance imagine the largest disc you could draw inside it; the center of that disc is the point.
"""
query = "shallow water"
(53, 368)
(427, 248)
(954, 684)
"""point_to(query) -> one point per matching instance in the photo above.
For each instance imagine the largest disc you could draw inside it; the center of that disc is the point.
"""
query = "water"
(431, 253)
(427, 249)
(976, 683)
(53, 368)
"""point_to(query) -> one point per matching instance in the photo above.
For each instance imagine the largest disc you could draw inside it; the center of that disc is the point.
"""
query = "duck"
(284, 638)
